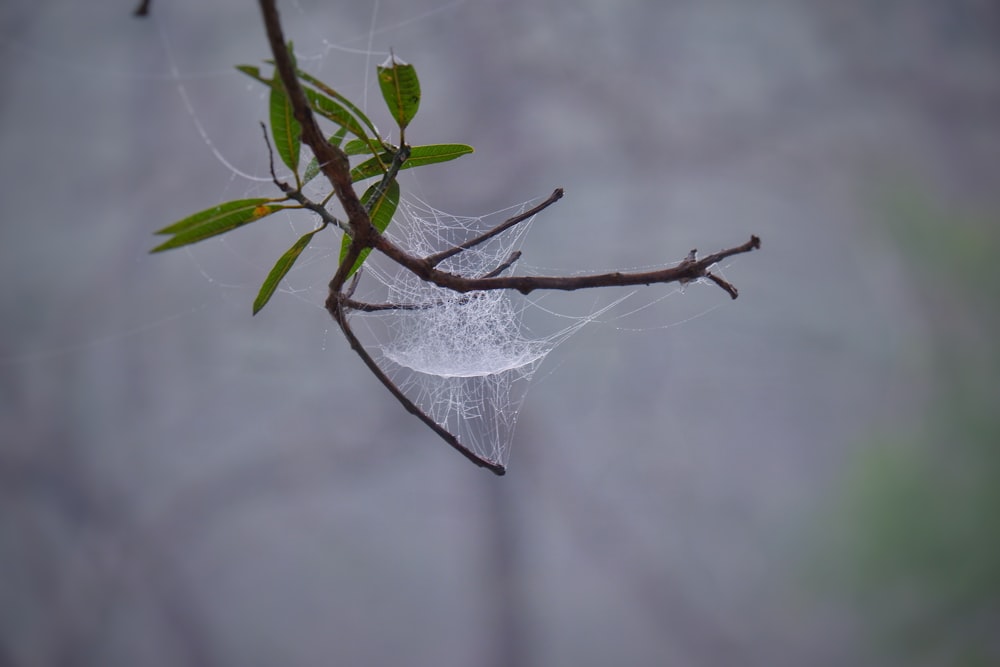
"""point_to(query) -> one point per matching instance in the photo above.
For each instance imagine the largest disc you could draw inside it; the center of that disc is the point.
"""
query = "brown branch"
(684, 272)
(364, 307)
(499, 229)
(506, 264)
(401, 156)
(332, 160)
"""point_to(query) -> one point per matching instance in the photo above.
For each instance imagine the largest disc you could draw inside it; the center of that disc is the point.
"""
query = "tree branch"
(499, 229)
(683, 272)
(332, 160)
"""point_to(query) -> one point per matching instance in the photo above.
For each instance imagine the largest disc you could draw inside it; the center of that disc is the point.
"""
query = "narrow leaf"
(419, 156)
(254, 73)
(215, 221)
(434, 153)
(280, 270)
(400, 89)
(286, 130)
(320, 103)
(335, 112)
(381, 215)
(330, 92)
(209, 214)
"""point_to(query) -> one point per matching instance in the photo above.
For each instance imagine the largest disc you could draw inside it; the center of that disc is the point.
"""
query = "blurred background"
(806, 475)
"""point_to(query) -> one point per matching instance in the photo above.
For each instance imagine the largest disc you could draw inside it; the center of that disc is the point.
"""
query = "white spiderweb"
(465, 360)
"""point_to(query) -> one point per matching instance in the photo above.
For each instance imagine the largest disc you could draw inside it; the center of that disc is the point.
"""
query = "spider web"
(466, 360)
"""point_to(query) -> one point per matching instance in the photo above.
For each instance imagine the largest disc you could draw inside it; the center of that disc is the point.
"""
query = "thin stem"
(381, 307)
(507, 263)
(724, 284)
(499, 229)
(397, 163)
(296, 193)
(331, 159)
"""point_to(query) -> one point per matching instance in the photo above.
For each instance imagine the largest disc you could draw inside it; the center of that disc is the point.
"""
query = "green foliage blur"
(919, 541)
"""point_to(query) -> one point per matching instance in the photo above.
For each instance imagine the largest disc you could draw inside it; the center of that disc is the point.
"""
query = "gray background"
(181, 483)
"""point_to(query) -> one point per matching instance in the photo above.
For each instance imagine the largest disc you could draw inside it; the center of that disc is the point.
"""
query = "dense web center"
(464, 335)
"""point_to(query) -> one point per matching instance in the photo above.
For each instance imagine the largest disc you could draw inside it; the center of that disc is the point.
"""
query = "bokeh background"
(806, 475)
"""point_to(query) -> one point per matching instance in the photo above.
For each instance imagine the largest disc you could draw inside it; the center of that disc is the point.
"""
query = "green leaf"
(357, 147)
(335, 112)
(381, 215)
(400, 89)
(312, 169)
(216, 220)
(330, 92)
(254, 73)
(250, 70)
(280, 269)
(321, 104)
(419, 156)
(286, 130)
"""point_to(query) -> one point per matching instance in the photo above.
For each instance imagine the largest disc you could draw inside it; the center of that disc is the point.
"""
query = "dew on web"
(466, 360)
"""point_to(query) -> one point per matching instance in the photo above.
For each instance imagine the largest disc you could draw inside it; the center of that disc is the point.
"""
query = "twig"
(684, 272)
(361, 306)
(691, 258)
(436, 259)
(142, 9)
(507, 263)
(724, 284)
(341, 319)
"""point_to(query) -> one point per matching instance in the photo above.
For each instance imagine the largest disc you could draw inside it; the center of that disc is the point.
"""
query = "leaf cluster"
(355, 135)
